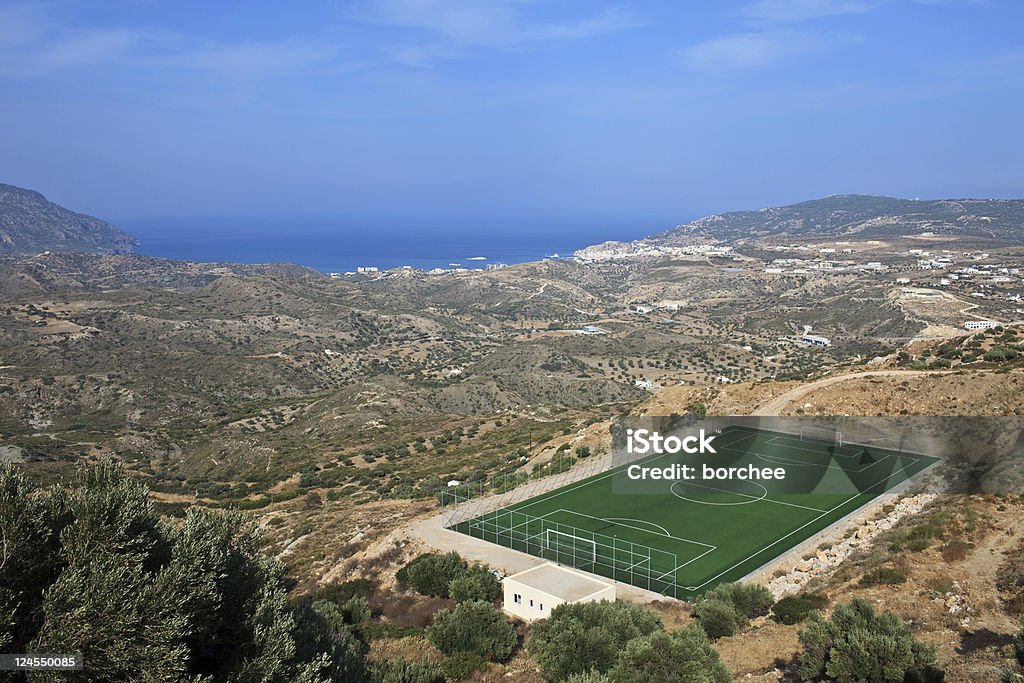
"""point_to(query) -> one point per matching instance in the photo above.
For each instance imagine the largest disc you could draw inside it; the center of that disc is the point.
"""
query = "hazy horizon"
(426, 113)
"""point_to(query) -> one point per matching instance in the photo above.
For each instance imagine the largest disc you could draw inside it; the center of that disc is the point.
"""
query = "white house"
(981, 324)
(533, 593)
(815, 340)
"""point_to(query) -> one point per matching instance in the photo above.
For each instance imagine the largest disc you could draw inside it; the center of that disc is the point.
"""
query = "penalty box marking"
(710, 548)
(628, 526)
(785, 442)
(782, 538)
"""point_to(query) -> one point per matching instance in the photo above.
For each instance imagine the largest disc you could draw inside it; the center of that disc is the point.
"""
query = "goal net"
(563, 543)
(821, 434)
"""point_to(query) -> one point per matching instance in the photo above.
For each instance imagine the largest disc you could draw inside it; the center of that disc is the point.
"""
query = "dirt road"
(776, 405)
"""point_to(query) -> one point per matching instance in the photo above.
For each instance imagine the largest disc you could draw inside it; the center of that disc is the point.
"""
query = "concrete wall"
(536, 604)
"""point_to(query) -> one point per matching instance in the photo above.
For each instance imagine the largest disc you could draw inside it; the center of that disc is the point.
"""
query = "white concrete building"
(815, 340)
(533, 593)
(981, 324)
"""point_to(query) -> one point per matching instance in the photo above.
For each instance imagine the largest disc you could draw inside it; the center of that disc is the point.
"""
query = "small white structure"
(533, 593)
(981, 324)
(815, 340)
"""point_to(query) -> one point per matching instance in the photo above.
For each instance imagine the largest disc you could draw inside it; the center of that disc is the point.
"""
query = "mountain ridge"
(30, 224)
(845, 215)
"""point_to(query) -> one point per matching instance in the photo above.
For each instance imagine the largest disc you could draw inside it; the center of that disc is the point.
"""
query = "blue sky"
(634, 113)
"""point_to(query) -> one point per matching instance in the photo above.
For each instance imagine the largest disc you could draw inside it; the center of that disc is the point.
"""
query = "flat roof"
(560, 582)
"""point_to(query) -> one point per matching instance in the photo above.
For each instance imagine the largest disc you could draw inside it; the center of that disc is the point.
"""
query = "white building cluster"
(621, 251)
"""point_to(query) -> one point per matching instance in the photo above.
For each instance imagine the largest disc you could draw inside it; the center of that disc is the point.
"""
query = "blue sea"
(331, 247)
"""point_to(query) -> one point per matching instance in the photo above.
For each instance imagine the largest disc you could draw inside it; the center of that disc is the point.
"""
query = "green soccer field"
(685, 537)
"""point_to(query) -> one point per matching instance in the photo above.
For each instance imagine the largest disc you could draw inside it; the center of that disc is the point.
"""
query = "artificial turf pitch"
(687, 537)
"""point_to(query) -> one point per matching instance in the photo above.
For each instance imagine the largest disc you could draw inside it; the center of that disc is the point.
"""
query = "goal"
(577, 547)
(821, 434)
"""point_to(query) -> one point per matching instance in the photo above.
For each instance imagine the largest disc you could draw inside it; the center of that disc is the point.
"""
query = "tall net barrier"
(608, 556)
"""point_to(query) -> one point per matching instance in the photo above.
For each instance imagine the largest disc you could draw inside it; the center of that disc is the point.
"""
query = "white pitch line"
(817, 451)
(587, 482)
(638, 521)
(779, 460)
(782, 538)
(695, 559)
(628, 526)
(637, 564)
(746, 495)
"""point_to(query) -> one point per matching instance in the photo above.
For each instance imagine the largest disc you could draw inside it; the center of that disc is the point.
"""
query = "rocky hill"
(999, 221)
(55, 272)
(30, 224)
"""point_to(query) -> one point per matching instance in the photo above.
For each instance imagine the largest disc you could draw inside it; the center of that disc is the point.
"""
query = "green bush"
(717, 617)
(475, 627)
(1001, 353)
(747, 599)
(461, 665)
(578, 638)
(404, 671)
(91, 568)
(356, 610)
(320, 627)
(478, 583)
(662, 657)
(793, 609)
(431, 574)
(857, 644)
(588, 677)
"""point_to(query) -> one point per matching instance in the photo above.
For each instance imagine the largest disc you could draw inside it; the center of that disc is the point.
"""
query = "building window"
(531, 603)
(517, 598)
(542, 607)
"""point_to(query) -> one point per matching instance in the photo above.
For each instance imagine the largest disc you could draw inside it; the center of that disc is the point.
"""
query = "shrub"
(1000, 353)
(954, 551)
(478, 583)
(882, 575)
(857, 644)
(403, 671)
(662, 657)
(320, 627)
(91, 568)
(431, 574)
(475, 627)
(588, 677)
(356, 610)
(793, 609)
(1018, 645)
(717, 617)
(747, 599)
(461, 664)
(578, 638)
